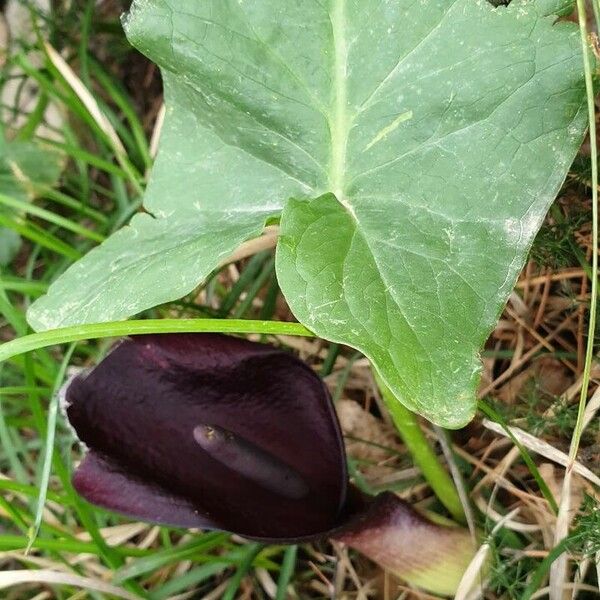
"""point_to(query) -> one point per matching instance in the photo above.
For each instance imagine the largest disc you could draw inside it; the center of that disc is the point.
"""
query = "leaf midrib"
(338, 124)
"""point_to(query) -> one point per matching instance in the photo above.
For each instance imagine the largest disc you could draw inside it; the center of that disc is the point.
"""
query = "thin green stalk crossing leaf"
(425, 458)
(75, 333)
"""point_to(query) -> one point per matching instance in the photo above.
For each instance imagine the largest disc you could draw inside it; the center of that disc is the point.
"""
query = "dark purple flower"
(211, 431)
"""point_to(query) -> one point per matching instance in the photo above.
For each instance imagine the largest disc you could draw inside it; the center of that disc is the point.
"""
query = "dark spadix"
(211, 431)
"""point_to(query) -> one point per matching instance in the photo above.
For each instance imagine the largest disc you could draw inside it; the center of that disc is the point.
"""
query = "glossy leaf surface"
(421, 148)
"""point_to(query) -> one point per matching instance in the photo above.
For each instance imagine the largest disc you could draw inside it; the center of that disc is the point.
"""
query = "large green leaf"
(435, 213)
(421, 145)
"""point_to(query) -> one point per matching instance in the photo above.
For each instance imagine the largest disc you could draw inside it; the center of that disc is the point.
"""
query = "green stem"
(589, 86)
(75, 333)
(423, 455)
(535, 583)
(495, 416)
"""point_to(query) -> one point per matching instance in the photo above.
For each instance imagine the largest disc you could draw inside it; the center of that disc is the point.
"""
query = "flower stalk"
(425, 458)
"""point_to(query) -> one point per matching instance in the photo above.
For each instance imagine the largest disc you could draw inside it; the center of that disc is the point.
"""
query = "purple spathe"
(139, 411)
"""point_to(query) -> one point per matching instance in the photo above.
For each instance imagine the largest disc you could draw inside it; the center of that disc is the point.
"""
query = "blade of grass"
(119, 97)
(48, 576)
(15, 517)
(75, 333)
(244, 280)
(20, 390)
(24, 286)
(589, 86)
(93, 160)
(540, 573)
(343, 376)
(270, 302)
(250, 553)
(34, 119)
(287, 570)
(329, 362)
(29, 490)
(28, 207)
(49, 448)
(39, 236)
(66, 200)
(9, 450)
(158, 560)
(190, 579)
(103, 124)
(86, 26)
(16, 542)
(246, 304)
(558, 570)
(54, 87)
(487, 410)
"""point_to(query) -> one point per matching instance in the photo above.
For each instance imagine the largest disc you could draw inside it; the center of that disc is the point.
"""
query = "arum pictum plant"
(210, 431)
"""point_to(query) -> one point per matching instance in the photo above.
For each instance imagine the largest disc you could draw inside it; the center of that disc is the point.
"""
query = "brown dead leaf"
(554, 476)
(552, 376)
(549, 374)
(366, 437)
